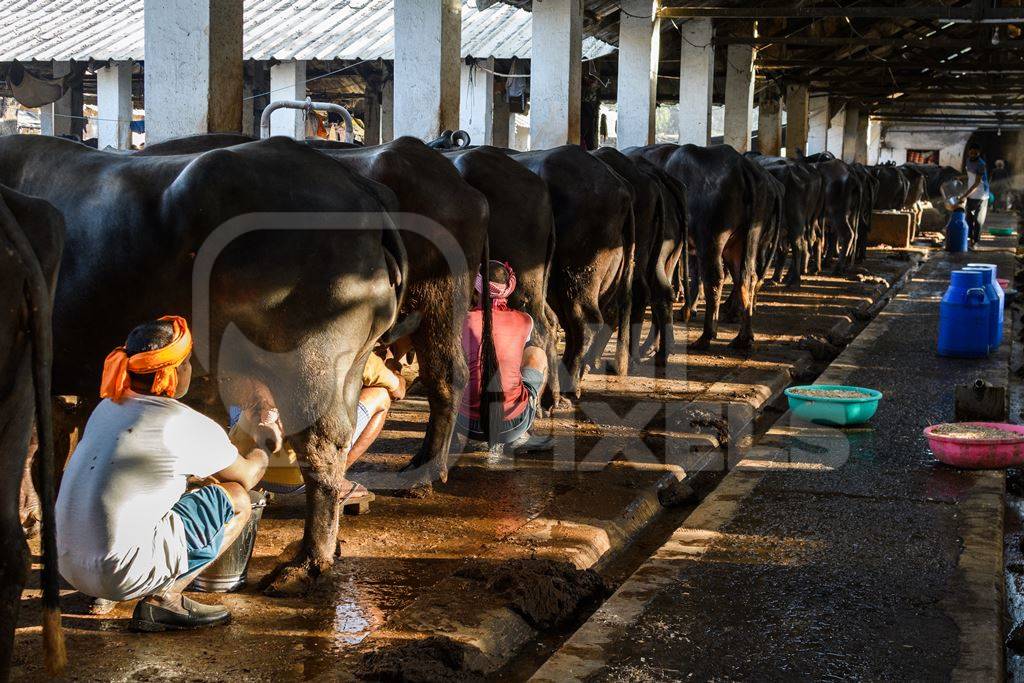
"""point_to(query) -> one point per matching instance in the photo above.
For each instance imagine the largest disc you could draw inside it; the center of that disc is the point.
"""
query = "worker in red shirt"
(522, 367)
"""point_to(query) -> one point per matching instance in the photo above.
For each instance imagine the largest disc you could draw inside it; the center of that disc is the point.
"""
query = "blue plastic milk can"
(956, 232)
(964, 316)
(997, 299)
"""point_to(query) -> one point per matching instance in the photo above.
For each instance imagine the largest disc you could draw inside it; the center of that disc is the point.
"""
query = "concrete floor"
(830, 554)
(405, 546)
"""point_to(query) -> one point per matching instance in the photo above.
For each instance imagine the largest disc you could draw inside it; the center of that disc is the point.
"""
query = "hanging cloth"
(32, 91)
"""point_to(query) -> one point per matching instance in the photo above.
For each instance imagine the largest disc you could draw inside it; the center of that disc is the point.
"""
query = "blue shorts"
(204, 512)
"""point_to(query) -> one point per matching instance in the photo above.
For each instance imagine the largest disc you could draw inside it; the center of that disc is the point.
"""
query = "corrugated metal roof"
(42, 30)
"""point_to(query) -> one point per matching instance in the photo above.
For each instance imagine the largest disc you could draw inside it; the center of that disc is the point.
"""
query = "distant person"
(977, 192)
(1000, 183)
(127, 525)
(522, 367)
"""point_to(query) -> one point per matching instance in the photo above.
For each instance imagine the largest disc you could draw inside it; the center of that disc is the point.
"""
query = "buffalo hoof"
(418, 481)
(290, 581)
(742, 343)
(702, 344)
(562, 405)
(730, 315)
(425, 470)
(292, 577)
(794, 285)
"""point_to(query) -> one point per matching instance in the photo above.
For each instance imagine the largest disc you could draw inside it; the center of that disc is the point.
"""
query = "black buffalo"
(659, 214)
(31, 239)
(447, 252)
(521, 231)
(447, 248)
(868, 198)
(593, 266)
(843, 193)
(802, 213)
(893, 187)
(729, 202)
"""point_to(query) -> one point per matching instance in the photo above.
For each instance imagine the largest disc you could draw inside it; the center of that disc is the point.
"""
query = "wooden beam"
(894, 64)
(942, 12)
(855, 41)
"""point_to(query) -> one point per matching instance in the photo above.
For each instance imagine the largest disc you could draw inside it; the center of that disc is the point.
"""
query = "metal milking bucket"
(229, 572)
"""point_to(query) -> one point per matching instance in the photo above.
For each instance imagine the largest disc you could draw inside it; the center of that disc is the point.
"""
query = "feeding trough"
(1002, 232)
(977, 445)
(833, 404)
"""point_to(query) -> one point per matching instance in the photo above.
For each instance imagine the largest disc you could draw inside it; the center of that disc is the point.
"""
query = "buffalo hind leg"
(712, 275)
(323, 472)
(584, 325)
(444, 374)
(845, 241)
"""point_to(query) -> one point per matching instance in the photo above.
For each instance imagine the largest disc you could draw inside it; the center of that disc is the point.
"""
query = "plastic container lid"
(990, 267)
(967, 279)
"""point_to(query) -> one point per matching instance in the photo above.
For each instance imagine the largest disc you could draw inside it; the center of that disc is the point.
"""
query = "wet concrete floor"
(406, 545)
(847, 555)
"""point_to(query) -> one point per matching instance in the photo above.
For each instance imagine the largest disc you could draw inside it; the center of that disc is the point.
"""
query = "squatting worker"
(977, 192)
(126, 527)
(521, 366)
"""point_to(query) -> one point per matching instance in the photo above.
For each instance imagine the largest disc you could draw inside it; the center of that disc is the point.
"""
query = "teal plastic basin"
(833, 411)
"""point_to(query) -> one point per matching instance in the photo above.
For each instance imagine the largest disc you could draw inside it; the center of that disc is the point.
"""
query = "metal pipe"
(308, 105)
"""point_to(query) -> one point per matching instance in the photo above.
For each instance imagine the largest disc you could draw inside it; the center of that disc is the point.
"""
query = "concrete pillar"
(851, 125)
(836, 126)
(249, 126)
(639, 43)
(696, 81)
(248, 111)
(193, 75)
(796, 120)
(739, 95)
(387, 111)
(55, 118)
(114, 102)
(860, 150)
(500, 120)
(817, 127)
(371, 117)
(428, 39)
(476, 101)
(555, 73)
(769, 125)
(288, 82)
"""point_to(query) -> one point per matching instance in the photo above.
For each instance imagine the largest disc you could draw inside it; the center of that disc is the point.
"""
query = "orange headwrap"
(161, 363)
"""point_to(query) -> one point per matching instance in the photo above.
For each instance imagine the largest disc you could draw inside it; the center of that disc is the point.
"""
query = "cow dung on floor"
(546, 593)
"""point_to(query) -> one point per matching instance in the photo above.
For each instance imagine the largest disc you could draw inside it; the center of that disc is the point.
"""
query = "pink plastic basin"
(978, 453)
